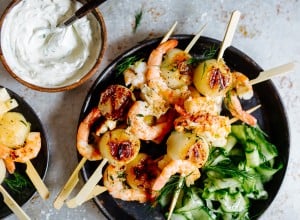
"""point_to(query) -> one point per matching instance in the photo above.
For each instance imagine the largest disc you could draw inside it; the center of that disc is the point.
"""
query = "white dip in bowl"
(40, 53)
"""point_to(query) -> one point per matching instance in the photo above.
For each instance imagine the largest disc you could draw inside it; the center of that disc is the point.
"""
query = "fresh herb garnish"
(207, 54)
(167, 192)
(17, 183)
(125, 64)
(138, 18)
(210, 53)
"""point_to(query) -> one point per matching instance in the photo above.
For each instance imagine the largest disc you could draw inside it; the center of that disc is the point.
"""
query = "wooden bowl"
(80, 77)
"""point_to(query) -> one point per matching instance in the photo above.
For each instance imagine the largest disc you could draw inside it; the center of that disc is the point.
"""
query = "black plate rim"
(231, 49)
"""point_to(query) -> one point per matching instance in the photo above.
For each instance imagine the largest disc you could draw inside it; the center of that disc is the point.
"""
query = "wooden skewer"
(235, 16)
(169, 33)
(231, 121)
(194, 40)
(13, 205)
(69, 186)
(8, 200)
(268, 74)
(97, 190)
(36, 180)
(175, 197)
(87, 189)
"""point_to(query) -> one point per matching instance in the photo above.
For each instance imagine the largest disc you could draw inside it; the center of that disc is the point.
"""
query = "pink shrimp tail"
(156, 56)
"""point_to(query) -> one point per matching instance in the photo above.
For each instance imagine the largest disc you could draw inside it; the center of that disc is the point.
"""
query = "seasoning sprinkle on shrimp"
(22, 154)
(114, 179)
(30, 150)
(143, 124)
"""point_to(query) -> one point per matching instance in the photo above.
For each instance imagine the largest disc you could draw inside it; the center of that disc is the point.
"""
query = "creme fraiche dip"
(42, 54)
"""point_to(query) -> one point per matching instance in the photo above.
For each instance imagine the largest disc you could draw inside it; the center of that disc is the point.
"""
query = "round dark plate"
(40, 162)
(271, 118)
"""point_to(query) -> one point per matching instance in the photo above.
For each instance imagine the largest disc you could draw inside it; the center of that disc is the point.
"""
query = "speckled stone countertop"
(268, 31)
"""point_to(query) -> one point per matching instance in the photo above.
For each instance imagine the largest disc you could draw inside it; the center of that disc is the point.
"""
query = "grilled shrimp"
(114, 179)
(233, 104)
(214, 128)
(84, 145)
(119, 147)
(242, 86)
(155, 80)
(144, 125)
(184, 167)
(28, 151)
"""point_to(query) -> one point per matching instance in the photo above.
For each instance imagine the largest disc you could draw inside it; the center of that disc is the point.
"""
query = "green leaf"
(17, 183)
(138, 18)
(121, 67)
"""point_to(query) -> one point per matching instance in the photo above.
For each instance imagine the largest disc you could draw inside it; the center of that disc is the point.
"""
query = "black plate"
(271, 118)
(40, 162)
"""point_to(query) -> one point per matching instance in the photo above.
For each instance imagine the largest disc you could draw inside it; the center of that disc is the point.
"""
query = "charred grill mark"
(115, 101)
(121, 151)
(218, 79)
(145, 171)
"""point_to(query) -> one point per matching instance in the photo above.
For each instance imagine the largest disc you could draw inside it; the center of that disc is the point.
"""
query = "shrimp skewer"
(154, 78)
(118, 147)
(113, 104)
(109, 110)
(234, 106)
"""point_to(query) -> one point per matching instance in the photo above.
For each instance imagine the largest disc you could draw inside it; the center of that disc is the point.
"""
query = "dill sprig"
(230, 171)
(125, 64)
(138, 18)
(17, 183)
(166, 193)
(209, 53)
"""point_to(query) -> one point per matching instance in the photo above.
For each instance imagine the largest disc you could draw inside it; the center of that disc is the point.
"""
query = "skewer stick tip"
(268, 74)
(37, 181)
(234, 19)
(169, 33)
(88, 186)
(194, 40)
(69, 186)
